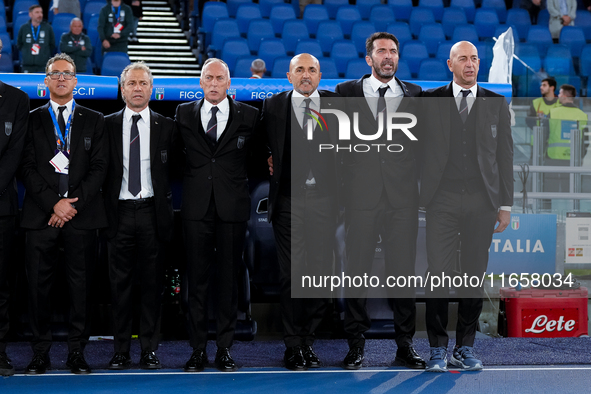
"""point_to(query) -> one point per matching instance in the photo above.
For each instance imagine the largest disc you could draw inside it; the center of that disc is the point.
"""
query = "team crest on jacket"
(493, 130)
(159, 93)
(8, 128)
(232, 93)
(164, 156)
(41, 90)
(240, 143)
(515, 222)
(87, 143)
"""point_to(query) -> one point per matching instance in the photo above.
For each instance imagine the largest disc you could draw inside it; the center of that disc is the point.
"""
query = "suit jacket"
(162, 133)
(493, 141)
(88, 168)
(275, 119)
(14, 114)
(366, 175)
(220, 173)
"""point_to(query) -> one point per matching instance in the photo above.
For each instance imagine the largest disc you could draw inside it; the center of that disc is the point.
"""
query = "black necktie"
(464, 105)
(63, 178)
(382, 103)
(212, 126)
(306, 113)
(135, 180)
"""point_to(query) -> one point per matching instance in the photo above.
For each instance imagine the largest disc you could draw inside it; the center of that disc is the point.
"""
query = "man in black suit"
(64, 166)
(138, 199)
(380, 192)
(466, 187)
(14, 114)
(302, 202)
(216, 132)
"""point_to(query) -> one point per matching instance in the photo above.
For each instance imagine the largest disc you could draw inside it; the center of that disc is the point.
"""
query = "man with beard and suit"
(217, 133)
(14, 113)
(380, 193)
(302, 202)
(138, 199)
(64, 166)
(466, 187)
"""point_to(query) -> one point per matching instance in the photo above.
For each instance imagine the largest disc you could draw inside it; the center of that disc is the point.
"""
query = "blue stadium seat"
(381, 16)
(245, 14)
(267, 5)
(468, 7)
(530, 55)
(21, 19)
(293, 31)
(365, 7)
(584, 22)
(223, 30)
(465, 33)
(541, 37)
(313, 15)
(486, 22)
(543, 17)
(418, 18)
(414, 52)
(309, 46)
(233, 6)
(402, 9)
(3, 24)
(269, 50)
(347, 15)
(114, 63)
(403, 72)
(233, 49)
(585, 61)
(61, 25)
(3, 10)
(281, 67)
(361, 30)
(257, 30)
(328, 32)
(452, 17)
(558, 60)
(343, 51)
(333, 6)
(485, 54)
(444, 49)
(568, 79)
(401, 30)
(242, 67)
(92, 29)
(6, 65)
(503, 28)
(212, 11)
(432, 35)
(499, 6)
(23, 5)
(573, 37)
(357, 68)
(434, 5)
(6, 45)
(519, 18)
(433, 70)
(328, 68)
(91, 8)
(279, 14)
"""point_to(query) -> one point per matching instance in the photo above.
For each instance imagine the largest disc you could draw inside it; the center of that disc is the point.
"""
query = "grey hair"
(216, 60)
(258, 65)
(136, 66)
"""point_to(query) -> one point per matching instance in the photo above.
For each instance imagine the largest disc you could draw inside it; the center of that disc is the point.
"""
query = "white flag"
(502, 64)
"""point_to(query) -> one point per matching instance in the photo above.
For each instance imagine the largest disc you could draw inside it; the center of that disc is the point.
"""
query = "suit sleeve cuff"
(505, 208)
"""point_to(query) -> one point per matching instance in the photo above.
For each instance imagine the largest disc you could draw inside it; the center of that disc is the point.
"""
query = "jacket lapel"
(154, 136)
(48, 126)
(234, 121)
(118, 136)
(76, 130)
(446, 106)
(283, 112)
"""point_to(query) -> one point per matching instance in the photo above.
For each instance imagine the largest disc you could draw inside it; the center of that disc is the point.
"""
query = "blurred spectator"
(136, 8)
(533, 7)
(115, 24)
(540, 107)
(562, 13)
(258, 69)
(77, 45)
(66, 6)
(304, 3)
(36, 41)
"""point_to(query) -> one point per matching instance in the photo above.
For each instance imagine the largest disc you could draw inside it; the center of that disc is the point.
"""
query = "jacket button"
(209, 177)
(213, 160)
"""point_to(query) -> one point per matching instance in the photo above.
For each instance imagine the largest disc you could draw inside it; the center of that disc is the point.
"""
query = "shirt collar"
(145, 114)
(297, 98)
(223, 106)
(457, 89)
(55, 106)
(375, 84)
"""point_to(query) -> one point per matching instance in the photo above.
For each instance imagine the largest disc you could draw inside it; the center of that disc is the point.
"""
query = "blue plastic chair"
(452, 17)
(346, 16)
(310, 46)
(356, 68)
(402, 9)
(313, 15)
(257, 30)
(365, 7)
(359, 33)
(432, 70)
(486, 22)
(294, 31)
(381, 16)
(328, 32)
(234, 49)
(281, 13)
(114, 63)
(436, 6)
(418, 18)
(573, 37)
(342, 52)
(414, 52)
(401, 31)
(432, 35)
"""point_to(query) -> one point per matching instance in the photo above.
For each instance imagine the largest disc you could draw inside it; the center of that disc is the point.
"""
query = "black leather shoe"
(354, 359)
(77, 363)
(312, 360)
(224, 361)
(149, 360)
(6, 368)
(294, 359)
(120, 361)
(39, 364)
(408, 357)
(197, 361)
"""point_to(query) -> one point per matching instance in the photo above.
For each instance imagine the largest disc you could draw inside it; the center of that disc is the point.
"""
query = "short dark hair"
(570, 89)
(31, 8)
(551, 82)
(379, 36)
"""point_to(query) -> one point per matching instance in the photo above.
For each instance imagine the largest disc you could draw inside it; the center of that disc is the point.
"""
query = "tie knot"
(465, 93)
(61, 109)
(307, 101)
(383, 91)
(136, 118)
(214, 110)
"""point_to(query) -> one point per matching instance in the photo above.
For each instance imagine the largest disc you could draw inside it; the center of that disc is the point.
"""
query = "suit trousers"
(398, 228)
(136, 257)
(42, 260)
(304, 228)
(214, 257)
(7, 232)
(473, 218)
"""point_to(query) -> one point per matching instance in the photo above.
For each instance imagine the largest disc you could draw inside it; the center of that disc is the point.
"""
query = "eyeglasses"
(57, 74)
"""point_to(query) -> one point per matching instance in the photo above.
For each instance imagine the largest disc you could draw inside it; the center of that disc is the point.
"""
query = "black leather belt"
(138, 201)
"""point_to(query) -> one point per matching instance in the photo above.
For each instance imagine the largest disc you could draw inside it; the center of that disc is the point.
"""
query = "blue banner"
(528, 245)
(90, 87)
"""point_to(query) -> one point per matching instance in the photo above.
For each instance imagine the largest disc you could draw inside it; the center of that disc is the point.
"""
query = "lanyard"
(61, 138)
(117, 13)
(35, 34)
(76, 41)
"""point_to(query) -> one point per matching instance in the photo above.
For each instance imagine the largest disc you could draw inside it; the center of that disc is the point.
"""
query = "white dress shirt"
(299, 105)
(222, 115)
(393, 95)
(143, 126)
(66, 115)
